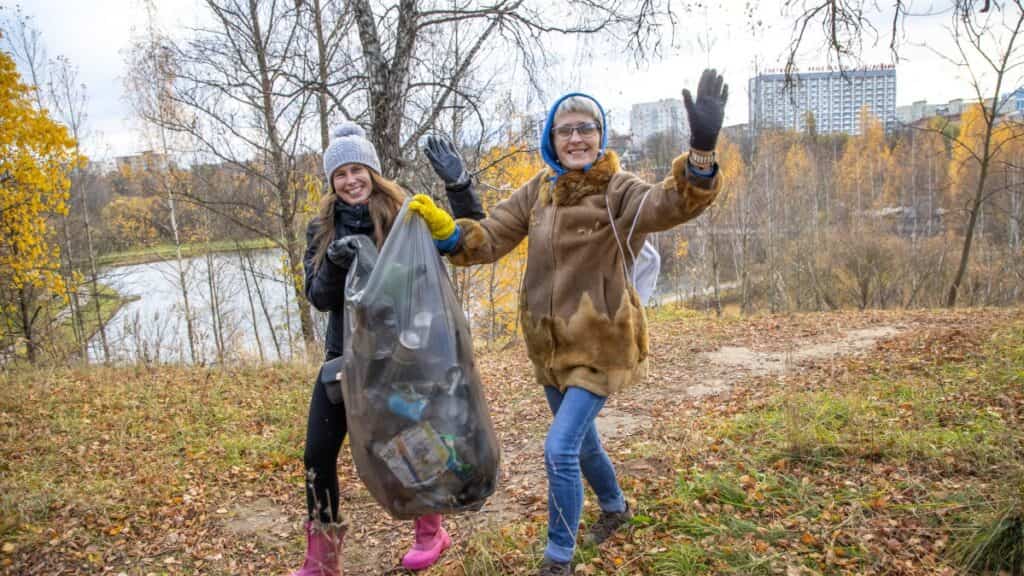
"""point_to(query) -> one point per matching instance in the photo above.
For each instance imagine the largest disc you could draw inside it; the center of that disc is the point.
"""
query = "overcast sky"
(94, 34)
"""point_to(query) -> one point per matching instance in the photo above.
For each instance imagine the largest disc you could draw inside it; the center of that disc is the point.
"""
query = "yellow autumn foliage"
(36, 156)
(864, 172)
(967, 147)
(970, 148)
(130, 220)
(505, 169)
(734, 172)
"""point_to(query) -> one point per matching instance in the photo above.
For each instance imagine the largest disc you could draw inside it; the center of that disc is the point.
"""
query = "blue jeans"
(572, 445)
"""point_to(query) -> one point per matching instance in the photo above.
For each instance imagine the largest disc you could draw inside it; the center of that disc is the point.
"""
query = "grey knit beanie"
(349, 144)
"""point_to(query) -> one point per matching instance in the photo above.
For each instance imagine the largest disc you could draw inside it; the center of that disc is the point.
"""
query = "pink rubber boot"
(431, 541)
(323, 550)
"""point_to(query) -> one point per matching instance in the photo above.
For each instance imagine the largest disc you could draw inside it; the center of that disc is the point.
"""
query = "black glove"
(342, 251)
(707, 112)
(445, 160)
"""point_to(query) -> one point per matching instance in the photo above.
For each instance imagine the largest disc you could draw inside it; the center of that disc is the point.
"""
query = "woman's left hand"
(708, 111)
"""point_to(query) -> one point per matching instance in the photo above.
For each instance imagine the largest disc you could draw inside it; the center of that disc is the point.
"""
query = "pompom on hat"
(349, 145)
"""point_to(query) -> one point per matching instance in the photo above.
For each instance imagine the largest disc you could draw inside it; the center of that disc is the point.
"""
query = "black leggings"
(325, 433)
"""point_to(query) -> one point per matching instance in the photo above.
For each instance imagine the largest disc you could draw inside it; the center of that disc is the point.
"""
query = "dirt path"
(672, 380)
(713, 366)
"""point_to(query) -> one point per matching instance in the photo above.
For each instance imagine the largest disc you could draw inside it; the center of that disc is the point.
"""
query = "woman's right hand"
(440, 223)
(446, 162)
(342, 251)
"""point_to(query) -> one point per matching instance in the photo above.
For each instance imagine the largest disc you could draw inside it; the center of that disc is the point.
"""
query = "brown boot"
(607, 524)
(551, 568)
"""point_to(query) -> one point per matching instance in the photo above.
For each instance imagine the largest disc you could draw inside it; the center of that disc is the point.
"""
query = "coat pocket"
(331, 375)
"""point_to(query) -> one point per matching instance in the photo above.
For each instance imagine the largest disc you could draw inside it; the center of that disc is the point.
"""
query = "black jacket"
(325, 288)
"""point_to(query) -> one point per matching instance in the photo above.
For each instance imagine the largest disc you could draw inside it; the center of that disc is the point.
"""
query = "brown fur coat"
(582, 319)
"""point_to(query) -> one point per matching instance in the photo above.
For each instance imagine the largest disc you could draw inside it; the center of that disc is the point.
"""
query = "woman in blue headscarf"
(582, 319)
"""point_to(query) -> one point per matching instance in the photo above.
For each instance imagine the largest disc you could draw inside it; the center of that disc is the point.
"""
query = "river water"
(259, 317)
(257, 310)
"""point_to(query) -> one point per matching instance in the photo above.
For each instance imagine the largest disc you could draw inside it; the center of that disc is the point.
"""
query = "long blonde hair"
(386, 199)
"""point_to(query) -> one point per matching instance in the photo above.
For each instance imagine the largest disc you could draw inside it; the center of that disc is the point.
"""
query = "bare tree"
(660, 149)
(415, 59)
(149, 84)
(234, 83)
(990, 38)
(214, 288)
(328, 26)
(845, 23)
(69, 98)
(251, 81)
(263, 305)
(253, 318)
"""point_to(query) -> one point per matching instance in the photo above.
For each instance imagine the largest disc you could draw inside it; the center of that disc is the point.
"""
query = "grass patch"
(814, 468)
(905, 419)
(496, 552)
(91, 456)
(672, 311)
(683, 559)
(995, 544)
(892, 466)
(904, 461)
(161, 252)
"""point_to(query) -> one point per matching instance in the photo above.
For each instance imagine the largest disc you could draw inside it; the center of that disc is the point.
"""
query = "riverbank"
(58, 341)
(111, 301)
(163, 252)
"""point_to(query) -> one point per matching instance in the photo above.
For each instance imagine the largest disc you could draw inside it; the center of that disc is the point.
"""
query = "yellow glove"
(440, 223)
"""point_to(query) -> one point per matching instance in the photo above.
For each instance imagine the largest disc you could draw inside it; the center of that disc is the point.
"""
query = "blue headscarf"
(547, 148)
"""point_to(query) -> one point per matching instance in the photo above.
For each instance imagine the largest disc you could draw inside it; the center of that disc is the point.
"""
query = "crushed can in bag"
(419, 428)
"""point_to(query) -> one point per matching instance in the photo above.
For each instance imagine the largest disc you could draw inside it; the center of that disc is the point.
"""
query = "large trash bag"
(420, 432)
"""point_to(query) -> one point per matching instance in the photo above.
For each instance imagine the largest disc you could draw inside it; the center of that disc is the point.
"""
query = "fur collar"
(574, 185)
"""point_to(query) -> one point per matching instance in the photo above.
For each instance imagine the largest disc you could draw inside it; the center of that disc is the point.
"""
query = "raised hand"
(707, 112)
(445, 161)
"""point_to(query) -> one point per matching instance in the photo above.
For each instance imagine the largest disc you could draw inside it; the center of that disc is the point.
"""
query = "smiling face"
(352, 183)
(575, 147)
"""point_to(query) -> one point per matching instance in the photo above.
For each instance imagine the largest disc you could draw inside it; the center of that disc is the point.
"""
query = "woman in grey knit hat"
(358, 201)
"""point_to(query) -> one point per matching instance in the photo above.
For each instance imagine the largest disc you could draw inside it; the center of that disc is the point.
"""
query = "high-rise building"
(145, 161)
(650, 118)
(922, 110)
(834, 98)
(1012, 104)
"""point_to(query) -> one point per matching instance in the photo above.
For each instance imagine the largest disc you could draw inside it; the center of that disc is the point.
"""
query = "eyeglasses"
(585, 130)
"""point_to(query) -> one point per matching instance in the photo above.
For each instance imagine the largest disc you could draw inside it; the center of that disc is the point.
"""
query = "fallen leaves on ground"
(178, 470)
